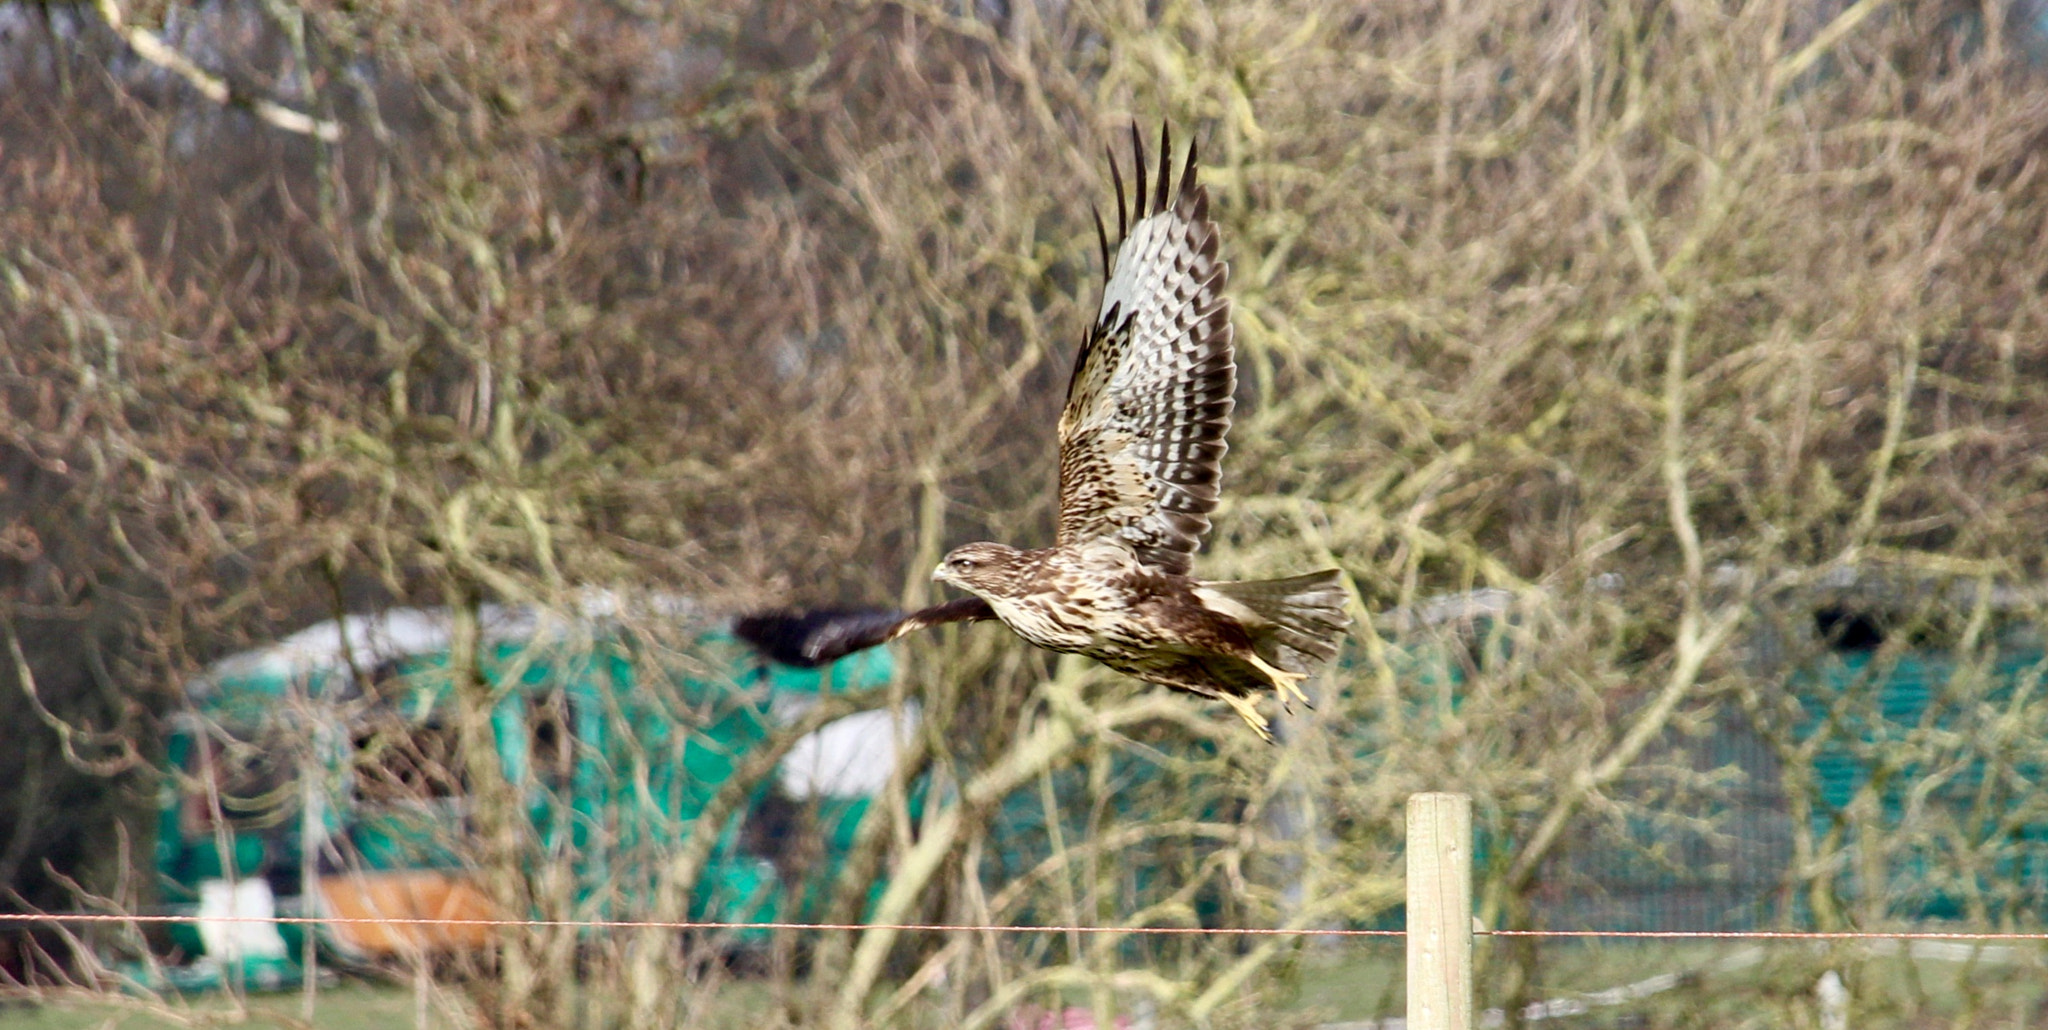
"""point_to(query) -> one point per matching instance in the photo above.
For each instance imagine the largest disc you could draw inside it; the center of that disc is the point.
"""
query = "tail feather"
(1304, 617)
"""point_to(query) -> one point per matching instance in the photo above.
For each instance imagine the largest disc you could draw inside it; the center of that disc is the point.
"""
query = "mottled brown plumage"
(1141, 449)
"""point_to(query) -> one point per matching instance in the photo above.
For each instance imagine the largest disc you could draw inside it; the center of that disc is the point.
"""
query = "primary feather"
(1142, 433)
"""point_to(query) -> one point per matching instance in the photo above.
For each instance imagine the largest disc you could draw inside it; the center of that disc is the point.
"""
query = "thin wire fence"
(31, 918)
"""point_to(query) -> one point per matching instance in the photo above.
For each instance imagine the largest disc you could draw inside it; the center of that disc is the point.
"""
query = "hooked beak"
(939, 573)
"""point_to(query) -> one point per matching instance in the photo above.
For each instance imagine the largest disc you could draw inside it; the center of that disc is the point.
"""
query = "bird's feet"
(1286, 684)
(1248, 710)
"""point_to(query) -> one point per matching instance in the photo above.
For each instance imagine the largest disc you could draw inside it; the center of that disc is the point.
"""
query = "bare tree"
(1657, 320)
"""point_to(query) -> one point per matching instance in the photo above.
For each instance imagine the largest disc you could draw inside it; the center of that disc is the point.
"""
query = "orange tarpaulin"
(404, 894)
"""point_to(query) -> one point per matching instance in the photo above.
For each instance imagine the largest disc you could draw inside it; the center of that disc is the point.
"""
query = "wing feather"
(1142, 433)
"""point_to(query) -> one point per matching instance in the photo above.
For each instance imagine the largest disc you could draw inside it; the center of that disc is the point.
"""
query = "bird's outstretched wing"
(824, 635)
(1141, 436)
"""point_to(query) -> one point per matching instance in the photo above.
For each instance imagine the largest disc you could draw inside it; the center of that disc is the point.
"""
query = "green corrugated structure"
(616, 741)
(1869, 675)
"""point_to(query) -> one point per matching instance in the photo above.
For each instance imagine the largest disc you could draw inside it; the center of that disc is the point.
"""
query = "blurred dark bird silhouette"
(820, 636)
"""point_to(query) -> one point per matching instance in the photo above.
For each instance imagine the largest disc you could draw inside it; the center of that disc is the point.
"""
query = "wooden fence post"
(1439, 912)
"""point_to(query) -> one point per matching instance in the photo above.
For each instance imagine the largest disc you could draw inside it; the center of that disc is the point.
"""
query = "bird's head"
(977, 568)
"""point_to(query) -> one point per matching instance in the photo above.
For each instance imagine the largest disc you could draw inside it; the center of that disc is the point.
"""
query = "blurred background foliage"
(1676, 344)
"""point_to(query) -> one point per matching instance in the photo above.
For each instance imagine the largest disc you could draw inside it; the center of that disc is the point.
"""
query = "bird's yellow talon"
(1249, 712)
(1286, 684)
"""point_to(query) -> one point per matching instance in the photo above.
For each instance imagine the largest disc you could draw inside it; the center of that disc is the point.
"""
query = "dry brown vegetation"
(1656, 315)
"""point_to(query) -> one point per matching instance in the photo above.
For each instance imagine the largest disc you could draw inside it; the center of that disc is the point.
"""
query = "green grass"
(1364, 982)
(1735, 986)
(348, 1007)
(354, 1005)
(1729, 985)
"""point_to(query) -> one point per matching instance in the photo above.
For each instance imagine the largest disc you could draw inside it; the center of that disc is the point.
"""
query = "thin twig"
(151, 47)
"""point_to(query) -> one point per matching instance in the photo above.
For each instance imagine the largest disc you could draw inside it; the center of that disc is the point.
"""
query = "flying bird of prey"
(1141, 449)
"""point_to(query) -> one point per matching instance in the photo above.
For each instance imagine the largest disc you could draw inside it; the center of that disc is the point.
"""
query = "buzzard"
(1141, 449)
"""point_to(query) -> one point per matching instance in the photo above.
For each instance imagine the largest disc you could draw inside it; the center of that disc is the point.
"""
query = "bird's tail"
(1304, 616)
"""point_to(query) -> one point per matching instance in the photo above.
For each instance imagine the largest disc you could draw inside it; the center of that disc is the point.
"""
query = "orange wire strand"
(22, 918)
